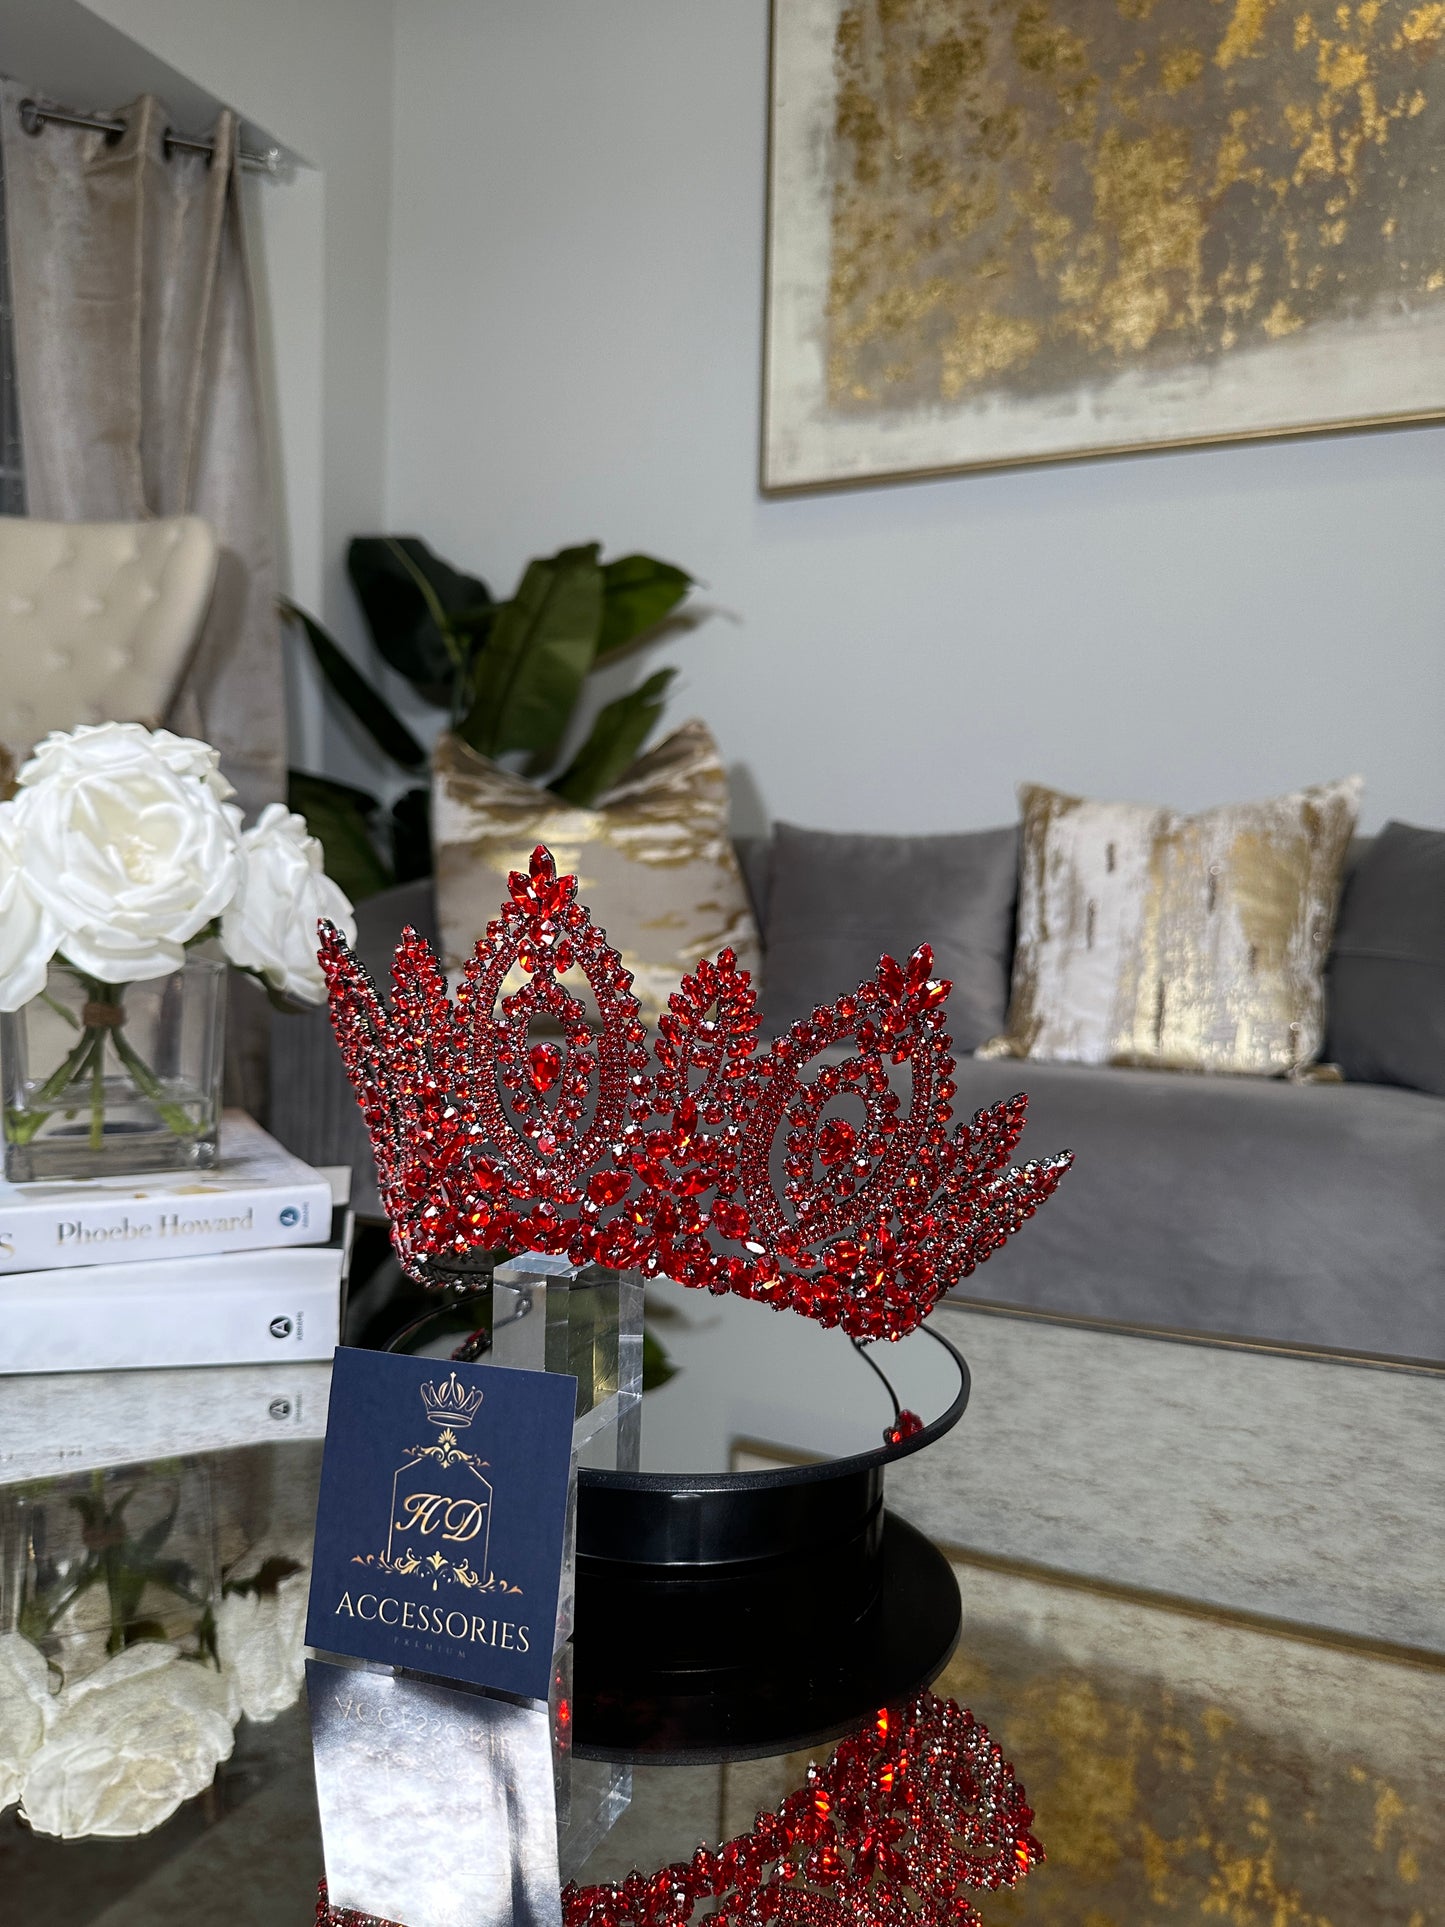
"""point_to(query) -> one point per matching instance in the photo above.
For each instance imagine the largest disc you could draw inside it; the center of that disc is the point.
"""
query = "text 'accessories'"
(591, 1145)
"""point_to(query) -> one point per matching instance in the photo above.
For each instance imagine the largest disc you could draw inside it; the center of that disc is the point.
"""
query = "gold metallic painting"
(1018, 230)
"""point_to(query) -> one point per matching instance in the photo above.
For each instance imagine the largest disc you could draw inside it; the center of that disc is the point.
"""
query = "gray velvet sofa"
(1299, 1215)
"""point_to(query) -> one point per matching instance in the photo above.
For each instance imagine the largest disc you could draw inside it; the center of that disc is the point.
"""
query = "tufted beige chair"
(97, 622)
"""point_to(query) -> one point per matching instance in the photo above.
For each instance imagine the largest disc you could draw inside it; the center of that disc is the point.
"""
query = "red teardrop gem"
(544, 1066)
(890, 978)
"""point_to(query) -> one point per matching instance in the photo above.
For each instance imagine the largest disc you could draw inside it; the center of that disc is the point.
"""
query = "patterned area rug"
(1187, 1768)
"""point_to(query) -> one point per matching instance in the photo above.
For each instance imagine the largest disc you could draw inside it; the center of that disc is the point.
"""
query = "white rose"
(284, 892)
(24, 1709)
(126, 842)
(28, 932)
(186, 755)
(260, 1639)
(126, 1746)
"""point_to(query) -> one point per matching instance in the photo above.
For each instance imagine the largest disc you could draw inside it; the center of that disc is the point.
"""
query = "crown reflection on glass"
(449, 1404)
(602, 1146)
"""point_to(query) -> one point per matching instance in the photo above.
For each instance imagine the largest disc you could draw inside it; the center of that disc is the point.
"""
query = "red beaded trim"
(659, 1156)
(908, 1812)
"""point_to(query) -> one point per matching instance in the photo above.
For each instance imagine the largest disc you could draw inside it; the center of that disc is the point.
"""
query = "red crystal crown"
(594, 1144)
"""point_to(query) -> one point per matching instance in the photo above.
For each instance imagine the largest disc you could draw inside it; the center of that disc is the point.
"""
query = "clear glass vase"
(99, 1560)
(106, 1079)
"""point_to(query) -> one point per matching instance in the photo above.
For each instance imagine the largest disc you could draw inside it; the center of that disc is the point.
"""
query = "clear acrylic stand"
(550, 1316)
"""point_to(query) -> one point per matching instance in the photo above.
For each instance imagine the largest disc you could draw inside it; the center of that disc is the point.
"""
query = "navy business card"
(440, 1522)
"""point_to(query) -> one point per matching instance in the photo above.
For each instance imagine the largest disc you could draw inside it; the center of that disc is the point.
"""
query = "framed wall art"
(1021, 230)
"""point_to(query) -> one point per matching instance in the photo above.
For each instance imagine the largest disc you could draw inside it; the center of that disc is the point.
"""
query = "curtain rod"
(33, 117)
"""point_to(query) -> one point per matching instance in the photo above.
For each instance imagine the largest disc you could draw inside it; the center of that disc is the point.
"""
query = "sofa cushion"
(1176, 942)
(837, 901)
(653, 859)
(1306, 1214)
(1386, 987)
(755, 860)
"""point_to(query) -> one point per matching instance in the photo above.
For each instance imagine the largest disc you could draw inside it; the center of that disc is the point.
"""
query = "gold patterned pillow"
(1179, 942)
(653, 860)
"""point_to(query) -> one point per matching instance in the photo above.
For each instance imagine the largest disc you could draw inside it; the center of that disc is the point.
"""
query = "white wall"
(576, 274)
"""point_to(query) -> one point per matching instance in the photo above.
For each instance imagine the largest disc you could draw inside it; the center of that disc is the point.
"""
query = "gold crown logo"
(449, 1404)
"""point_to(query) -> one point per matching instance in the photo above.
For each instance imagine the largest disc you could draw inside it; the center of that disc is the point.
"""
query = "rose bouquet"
(122, 862)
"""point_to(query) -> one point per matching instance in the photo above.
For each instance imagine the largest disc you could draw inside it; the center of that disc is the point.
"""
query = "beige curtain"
(139, 385)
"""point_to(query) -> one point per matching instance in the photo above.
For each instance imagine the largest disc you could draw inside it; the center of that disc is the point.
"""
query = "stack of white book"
(243, 1264)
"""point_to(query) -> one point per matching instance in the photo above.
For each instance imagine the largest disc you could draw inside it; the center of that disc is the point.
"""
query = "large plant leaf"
(411, 853)
(340, 818)
(637, 592)
(538, 651)
(367, 705)
(657, 1367)
(620, 730)
(419, 609)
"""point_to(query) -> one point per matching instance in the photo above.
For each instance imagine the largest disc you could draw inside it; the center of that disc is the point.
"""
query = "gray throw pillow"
(1385, 992)
(837, 901)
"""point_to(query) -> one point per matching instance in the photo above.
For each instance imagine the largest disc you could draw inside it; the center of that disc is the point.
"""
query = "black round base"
(794, 1683)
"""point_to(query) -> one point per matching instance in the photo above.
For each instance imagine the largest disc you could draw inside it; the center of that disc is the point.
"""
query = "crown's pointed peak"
(540, 891)
(332, 950)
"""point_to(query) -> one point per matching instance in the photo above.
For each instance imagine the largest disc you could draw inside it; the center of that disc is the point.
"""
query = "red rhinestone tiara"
(916, 1807)
(607, 1146)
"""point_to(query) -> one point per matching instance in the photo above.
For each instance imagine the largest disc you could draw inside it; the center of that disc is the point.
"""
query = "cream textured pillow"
(1180, 942)
(653, 860)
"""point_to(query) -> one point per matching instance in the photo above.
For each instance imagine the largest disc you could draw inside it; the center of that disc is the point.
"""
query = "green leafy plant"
(506, 675)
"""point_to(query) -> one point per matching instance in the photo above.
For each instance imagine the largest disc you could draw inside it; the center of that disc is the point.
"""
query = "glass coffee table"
(155, 1529)
(1186, 1766)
